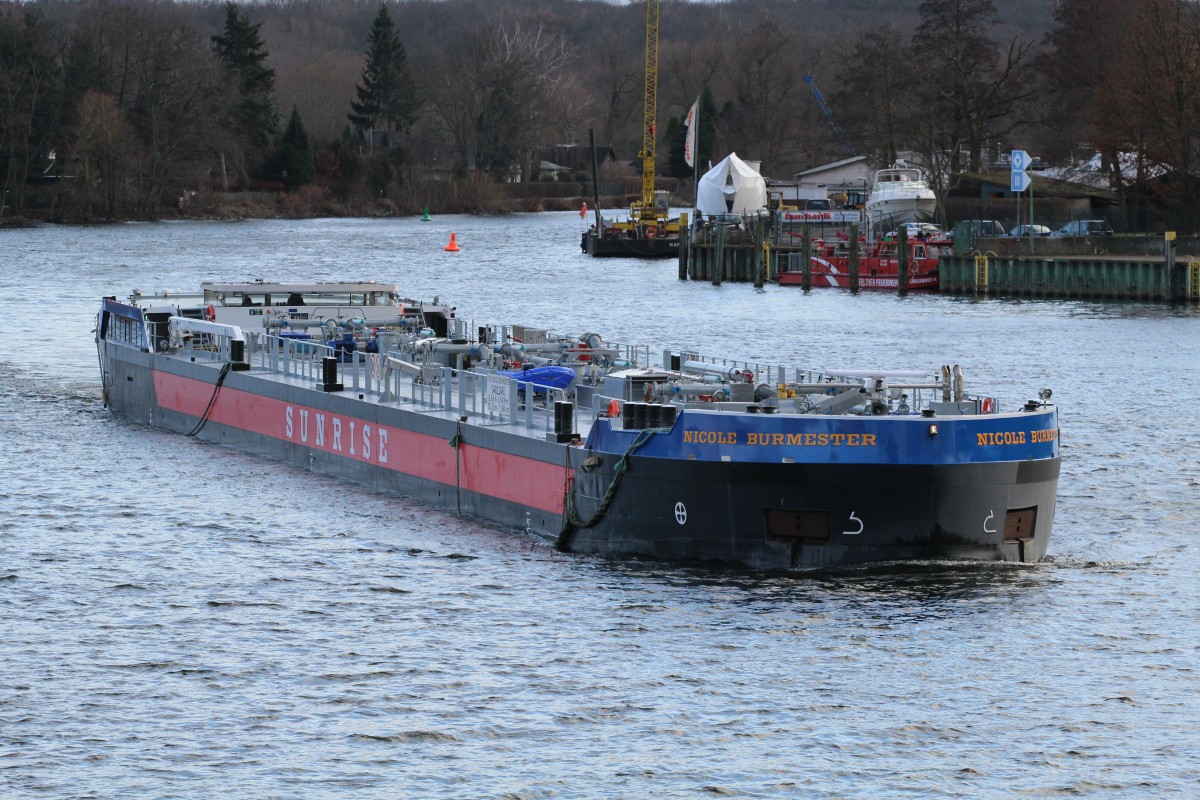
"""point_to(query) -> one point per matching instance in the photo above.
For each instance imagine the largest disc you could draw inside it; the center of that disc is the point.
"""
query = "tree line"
(124, 107)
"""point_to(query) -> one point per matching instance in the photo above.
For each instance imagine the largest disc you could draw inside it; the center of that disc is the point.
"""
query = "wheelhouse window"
(124, 330)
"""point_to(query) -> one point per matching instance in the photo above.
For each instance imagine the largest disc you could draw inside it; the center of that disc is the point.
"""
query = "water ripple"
(183, 620)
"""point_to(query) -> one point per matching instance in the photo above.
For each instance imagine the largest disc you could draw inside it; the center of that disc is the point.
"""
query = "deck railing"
(488, 397)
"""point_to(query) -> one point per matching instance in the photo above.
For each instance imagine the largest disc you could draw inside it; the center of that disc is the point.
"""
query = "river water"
(179, 620)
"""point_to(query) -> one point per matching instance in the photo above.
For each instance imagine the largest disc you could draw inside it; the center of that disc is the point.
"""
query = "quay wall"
(1131, 268)
(1096, 277)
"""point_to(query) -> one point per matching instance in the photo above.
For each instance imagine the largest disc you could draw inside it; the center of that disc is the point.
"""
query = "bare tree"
(503, 95)
(767, 88)
(100, 142)
(30, 98)
(977, 83)
(870, 100)
(1085, 47)
(173, 106)
(1155, 104)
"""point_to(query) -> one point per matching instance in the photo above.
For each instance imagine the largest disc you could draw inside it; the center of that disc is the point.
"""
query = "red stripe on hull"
(824, 279)
(516, 479)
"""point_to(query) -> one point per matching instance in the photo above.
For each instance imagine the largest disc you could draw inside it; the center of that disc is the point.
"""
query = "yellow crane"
(644, 210)
(648, 232)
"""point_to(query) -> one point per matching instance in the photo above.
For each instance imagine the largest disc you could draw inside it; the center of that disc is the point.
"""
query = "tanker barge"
(593, 444)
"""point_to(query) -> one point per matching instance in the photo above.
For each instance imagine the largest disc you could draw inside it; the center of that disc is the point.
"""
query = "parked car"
(984, 227)
(976, 228)
(1085, 227)
(817, 205)
(1029, 230)
(915, 230)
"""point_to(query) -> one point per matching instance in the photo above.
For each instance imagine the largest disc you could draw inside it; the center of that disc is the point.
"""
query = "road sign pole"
(1019, 181)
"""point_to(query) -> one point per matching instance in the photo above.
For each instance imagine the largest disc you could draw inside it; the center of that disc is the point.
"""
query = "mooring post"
(1169, 266)
(685, 245)
(757, 262)
(902, 259)
(806, 256)
(854, 258)
(719, 256)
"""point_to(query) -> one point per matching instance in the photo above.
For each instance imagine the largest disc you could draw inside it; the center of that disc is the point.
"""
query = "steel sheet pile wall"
(1143, 278)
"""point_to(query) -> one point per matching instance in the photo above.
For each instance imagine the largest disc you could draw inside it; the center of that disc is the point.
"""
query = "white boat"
(900, 194)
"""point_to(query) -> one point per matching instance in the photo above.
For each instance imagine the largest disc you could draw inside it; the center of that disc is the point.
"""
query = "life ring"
(651, 232)
(210, 313)
(987, 405)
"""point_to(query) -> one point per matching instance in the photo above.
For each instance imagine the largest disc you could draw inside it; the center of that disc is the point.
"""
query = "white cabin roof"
(303, 288)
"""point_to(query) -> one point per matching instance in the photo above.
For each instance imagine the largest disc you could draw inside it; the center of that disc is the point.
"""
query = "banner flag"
(689, 145)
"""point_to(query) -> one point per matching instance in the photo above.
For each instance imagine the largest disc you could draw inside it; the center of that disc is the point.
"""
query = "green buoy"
(425, 218)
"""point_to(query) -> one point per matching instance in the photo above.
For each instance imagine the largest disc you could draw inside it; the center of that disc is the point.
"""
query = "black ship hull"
(626, 247)
(790, 516)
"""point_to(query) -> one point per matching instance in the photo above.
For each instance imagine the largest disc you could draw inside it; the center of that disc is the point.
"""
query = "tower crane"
(648, 231)
(644, 209)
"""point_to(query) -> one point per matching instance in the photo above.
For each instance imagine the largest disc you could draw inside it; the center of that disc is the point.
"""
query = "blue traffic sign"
(1020, 181)
(1020, 161)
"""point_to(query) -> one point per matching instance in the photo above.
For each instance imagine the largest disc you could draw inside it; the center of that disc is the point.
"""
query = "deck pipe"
(728, 373)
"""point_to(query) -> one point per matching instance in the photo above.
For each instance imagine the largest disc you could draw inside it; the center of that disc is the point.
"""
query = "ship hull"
(928, 282)
(793, 516)
(626, 247)
(893, 212)
(763, 514)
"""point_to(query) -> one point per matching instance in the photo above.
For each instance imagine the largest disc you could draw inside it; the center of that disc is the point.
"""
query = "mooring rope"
(456, 442)
(212, 400)
(571, 521)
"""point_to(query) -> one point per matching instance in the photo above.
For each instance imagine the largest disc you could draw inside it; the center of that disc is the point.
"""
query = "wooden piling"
(806, 257)
(685, 245)
(854, 258)
(757, 266)
(718, 256)
(1168, 265)
(902, 260)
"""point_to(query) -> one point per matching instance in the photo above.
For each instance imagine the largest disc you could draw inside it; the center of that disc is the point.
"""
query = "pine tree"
(385, 97)
(294, 159)
(676, 139)
(241, 50)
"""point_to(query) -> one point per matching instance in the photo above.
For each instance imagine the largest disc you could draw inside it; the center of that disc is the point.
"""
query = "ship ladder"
(981, 272)
(1192, 291)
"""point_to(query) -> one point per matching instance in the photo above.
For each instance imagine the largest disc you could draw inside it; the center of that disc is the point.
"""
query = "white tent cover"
(731, 187)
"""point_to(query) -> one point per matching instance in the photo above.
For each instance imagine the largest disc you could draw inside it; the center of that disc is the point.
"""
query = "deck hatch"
(1019, 523)
(793, 523)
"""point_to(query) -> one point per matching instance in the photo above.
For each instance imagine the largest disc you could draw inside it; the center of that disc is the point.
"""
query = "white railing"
(209, 341)
(301, 358)
(487, 397)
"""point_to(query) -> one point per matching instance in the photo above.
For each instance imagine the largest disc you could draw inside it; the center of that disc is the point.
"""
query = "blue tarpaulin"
(543, 377)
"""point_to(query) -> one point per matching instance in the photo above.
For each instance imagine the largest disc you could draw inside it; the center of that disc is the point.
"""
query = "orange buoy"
(614, 408)
(453, 246)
